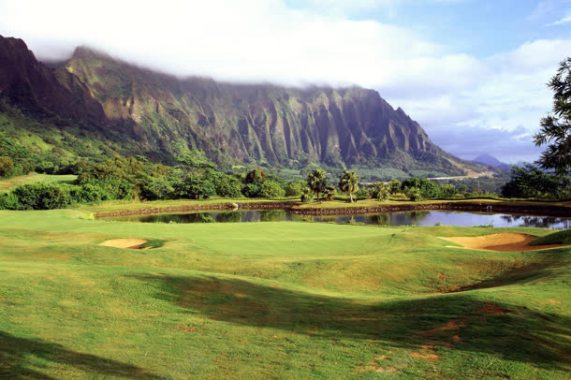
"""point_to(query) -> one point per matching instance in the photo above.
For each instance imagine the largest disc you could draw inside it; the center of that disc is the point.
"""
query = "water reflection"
(415, 218)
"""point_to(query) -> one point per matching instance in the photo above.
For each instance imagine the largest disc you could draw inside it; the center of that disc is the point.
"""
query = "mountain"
(37, 89)
(139, 111)
(489, 160)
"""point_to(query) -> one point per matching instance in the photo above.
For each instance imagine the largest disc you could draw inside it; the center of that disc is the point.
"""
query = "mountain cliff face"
(39, 90)
(163, 116)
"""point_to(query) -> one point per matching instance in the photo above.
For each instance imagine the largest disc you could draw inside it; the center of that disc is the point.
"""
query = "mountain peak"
(488, 159)
(86, 52)
(14, 51)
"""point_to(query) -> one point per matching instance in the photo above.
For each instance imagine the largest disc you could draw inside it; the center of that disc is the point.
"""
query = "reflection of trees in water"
(537, 221)
(397, 218)
(407, 218)
(379, 219)
(272, 215)
(383, 219)
(229, 217)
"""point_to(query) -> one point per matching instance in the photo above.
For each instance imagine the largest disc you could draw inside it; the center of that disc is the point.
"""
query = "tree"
(157, 188)
(556, 127)
(252, 190)
(381, 191)
(394, 187)
(349, 183)
(295, 188)
(195, 159)
(317, 182)
(194, 187)
(414, 194)
(226, 185)
(271, 189)
(530, 181)
(256, 176)
(306, 195)
(425, 187)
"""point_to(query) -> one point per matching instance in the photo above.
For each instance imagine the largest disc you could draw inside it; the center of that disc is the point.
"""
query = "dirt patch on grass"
(448, 326)
(505, 242)
(125, 243)
(492, 309)
(186, 328)
(427, 353)
(376, 366)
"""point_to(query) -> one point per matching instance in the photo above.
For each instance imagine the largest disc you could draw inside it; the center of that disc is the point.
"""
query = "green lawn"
(275, 300)
(8, 184)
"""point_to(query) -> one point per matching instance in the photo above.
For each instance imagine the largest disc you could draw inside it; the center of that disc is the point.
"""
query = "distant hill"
(138, 111)
(489, 160)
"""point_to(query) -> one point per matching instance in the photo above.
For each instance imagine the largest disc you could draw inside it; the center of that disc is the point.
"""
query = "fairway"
(291, 300)
(8, 184)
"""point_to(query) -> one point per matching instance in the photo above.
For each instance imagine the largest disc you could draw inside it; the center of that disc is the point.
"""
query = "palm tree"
(349, 183)
(381, 191)
(317, 181)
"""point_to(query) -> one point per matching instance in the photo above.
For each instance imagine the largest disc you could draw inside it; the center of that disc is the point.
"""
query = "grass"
(152, 244)
(267, 300)
(560, 237)
(8, 184)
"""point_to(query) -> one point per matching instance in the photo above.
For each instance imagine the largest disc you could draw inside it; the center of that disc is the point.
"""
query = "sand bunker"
(124, 243)
(506, 242)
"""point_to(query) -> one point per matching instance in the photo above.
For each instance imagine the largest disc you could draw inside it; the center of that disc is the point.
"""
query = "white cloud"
(250, 40)
(507, 94)
(561, 21)
(271, 40)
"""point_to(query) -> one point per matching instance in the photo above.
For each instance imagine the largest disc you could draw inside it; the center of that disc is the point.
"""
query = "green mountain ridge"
(137, 111)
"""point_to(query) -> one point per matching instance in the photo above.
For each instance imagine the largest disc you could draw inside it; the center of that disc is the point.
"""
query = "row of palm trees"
(317, 184)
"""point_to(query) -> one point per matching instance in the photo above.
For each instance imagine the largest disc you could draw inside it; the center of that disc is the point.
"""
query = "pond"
(400, 218)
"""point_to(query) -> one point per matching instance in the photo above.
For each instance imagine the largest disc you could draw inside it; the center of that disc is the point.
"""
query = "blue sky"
(472, 72)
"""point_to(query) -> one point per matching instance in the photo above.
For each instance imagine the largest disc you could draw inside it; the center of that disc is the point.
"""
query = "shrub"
(271, 189)
(295, 188)
(363, 193)
(6, 166)
(414, 194)
(251, 190)
(9, 201)
(42, 196)
(425, 187)
(157, 188)
(227, 186)
(88, 193)
(194, 187)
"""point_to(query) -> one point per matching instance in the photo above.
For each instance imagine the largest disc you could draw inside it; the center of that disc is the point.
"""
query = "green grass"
(8, 184)
(560, 237)
(274, 300)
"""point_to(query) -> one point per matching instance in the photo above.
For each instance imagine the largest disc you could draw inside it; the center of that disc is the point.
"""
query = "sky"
(473, 73)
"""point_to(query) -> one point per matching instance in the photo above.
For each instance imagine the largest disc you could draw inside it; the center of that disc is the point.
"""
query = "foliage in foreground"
(555, 129)
(530, 181)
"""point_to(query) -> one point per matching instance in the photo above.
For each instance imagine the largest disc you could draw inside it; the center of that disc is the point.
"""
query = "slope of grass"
(559, 237)
(8, 184)
(267, 300)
